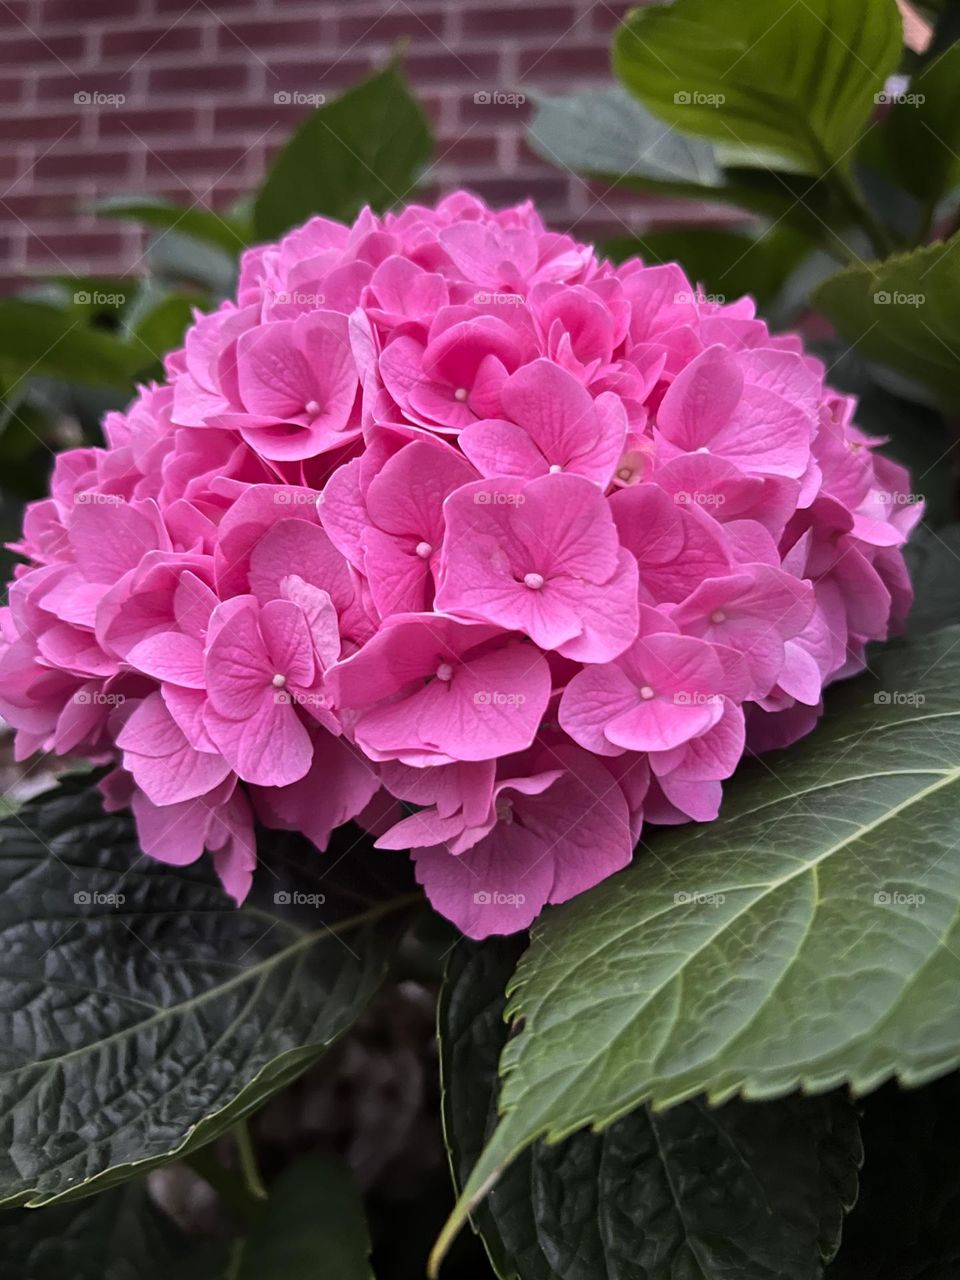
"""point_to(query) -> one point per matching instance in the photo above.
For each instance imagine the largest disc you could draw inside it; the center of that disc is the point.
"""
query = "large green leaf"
(633, 1203)
(808, 937)
(608, 135)
(135, 1030)
(120, 1235)
(202, 224)
(365, 147)
(313, 1226)
(784, 83)
(904, 311)
(39, 339)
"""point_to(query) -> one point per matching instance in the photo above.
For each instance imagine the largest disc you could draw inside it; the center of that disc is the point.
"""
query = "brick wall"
(177, 99)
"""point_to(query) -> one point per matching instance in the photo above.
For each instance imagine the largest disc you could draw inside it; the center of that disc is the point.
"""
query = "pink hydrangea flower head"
(446, 526)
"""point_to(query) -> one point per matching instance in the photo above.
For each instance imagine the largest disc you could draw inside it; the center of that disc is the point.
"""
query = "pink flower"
(436, 689)
(551, 836)
(541, 557)
(445, 526)
(297, 384)
(261, 668)
(554, 425)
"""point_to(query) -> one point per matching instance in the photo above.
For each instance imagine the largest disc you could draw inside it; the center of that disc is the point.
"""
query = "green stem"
(879, 237)
(231, 1189)
(248, 1161)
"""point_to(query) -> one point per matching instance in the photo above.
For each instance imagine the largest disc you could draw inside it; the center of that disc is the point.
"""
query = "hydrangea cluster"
(448, 526)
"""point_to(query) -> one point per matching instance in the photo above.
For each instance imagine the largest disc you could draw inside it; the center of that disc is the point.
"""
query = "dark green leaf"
(783, 83)
(133, 1031)
(45, 340)
(157, 326)
(808, 937)
(120, 1235)
(921, 135)
(728, 264)
(365, 147)
(705, 1193)
(202, 224)
(934, 560)
(904, 311)
(313, 1227)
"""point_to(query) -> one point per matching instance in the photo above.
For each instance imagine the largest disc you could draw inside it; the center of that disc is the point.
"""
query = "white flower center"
(625, 474)
(718, 616)
(555, 467)
(312, 408)
(278, 681)
(533, 580)
(424, 550)
(646, 693)
(461, 394)
(445, 672)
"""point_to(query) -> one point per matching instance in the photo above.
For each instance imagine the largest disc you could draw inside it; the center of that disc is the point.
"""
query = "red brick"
(470, 149)
(36, 206)
(252, 120)
(519, 19)
(70, 245)
(310, 74)
(146, 41)
(15, 13)
(442, 66)
(40, 128)
(491, 105)
(566, 59)
(420, 24)
(503, 191)
(184, 162)
(77, 11)
(126, 122)
(81, 165)
(270, 33)
(199, 80)
(28, 50)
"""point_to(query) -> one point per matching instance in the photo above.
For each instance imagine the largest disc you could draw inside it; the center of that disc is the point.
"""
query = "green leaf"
(906, 1225)
(933, 557)
(365, 147)
(782, 84)
(914, 434)
(728, 264)
(808, 937)
(904, 311)
(134, 1031)
(158, 320)
(921, 135)
(313, 1226)
(201, 224)
(41, 339)
(609, 134)
(120, 1235)
(633, 1201)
